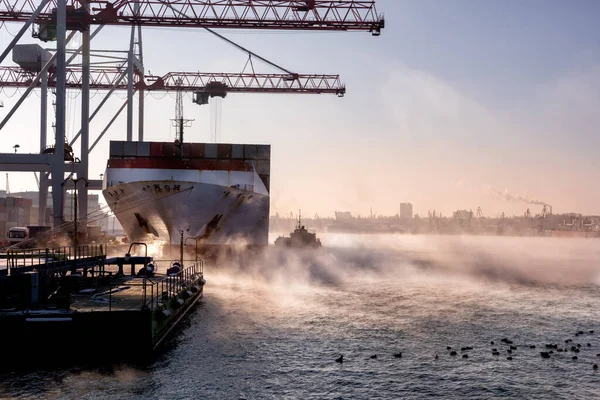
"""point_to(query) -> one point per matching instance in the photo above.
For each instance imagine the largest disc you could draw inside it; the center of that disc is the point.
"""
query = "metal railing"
(54, 258)
(159, 289)
(167, 287)
(155, 291)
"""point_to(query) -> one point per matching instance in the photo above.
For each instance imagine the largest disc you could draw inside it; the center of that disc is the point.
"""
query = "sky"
(456, 102)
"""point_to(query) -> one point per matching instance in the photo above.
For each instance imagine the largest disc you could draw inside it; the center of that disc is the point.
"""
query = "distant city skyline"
(452, 98)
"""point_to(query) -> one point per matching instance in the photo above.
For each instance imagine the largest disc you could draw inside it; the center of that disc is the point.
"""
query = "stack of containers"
(201, 156)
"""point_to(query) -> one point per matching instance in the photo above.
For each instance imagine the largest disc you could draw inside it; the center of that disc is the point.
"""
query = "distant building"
(342, 215)
(406, 210)
(69, 203)
(21, 209)
(462, 214)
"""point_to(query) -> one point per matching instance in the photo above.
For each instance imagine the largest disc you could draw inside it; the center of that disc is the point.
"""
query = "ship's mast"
(179, 122)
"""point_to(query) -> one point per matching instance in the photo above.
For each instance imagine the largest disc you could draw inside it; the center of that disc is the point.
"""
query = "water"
(274, 331)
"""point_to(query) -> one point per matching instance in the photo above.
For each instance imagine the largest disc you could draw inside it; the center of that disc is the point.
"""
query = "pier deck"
(80, 294)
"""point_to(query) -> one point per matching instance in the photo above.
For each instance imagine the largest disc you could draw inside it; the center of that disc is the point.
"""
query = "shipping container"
(10, 202)
(197, 150)
(3, 217)
(208, 164)
(237, 151)
(33, 214)
(210, 150)
(223, 151)
(238, 165)
(143, 149)
(187, 150)
(156, 149)
(224, 164)
(170, 149)
(250, 151)
(3, 201)
(116, 149)
(264, 152)
(251, 164)
(129, 149)
(263, 167)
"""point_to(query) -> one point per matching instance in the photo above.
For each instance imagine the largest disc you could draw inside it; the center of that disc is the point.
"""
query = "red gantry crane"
(214, 84)
(59, 19)
(330, 15)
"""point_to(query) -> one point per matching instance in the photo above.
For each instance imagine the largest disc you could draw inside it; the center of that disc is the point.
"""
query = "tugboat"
(300, 238)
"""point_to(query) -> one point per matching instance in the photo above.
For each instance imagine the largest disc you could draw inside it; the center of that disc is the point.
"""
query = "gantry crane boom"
(338, 15)
(211, 83)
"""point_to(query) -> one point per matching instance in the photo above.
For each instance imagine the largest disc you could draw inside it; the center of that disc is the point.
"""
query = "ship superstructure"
(300, 238)
(214, 192)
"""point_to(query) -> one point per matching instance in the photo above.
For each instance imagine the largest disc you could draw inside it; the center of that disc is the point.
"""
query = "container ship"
(214, 193)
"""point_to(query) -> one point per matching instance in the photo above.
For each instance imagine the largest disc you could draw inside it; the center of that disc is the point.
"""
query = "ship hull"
(215, 215)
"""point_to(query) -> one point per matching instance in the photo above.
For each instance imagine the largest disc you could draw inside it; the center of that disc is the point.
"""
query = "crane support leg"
(85, 131)
(57, 161)
(130, 87)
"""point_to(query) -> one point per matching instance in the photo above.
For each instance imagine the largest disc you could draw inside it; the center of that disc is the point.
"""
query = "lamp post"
(75, 181)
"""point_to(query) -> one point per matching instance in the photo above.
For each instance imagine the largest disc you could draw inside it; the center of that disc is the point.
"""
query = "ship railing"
(55, 258)
(162, 289)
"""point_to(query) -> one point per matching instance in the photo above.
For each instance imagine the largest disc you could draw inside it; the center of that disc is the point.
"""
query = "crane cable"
(250, 53)
(231, 42)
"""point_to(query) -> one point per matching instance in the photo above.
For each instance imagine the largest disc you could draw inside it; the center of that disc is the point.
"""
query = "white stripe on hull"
(218, 215)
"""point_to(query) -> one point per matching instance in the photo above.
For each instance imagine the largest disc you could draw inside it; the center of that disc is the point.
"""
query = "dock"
(75, 293)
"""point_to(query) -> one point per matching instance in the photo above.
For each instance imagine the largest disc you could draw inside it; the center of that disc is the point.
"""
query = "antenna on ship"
(179, 122)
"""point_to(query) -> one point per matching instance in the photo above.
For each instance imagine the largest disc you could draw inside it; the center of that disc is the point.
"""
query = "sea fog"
(273, 327)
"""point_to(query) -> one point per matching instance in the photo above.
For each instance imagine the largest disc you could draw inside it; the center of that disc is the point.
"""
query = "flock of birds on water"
(551, 349)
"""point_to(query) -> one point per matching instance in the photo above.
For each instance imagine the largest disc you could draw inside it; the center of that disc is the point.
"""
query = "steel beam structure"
(248, 83)
(323, 15)
(141, 92)
(25, 162)
(82, 178)
(23, 29)
(113, 119)
(35, 162)
(43, 189)
(112, 79)
(99, 107)
(44, 110)
(57, 160)
(130, 85)
(94, 184)
(78, 15)
(32, 83)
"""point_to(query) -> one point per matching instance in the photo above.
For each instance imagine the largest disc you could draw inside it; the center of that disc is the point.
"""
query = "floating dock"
(76, 296)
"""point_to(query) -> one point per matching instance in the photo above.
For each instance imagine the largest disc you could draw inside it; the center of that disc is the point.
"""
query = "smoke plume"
(509, 196)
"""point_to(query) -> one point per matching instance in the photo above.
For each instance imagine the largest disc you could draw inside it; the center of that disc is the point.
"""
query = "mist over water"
(271, 328)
